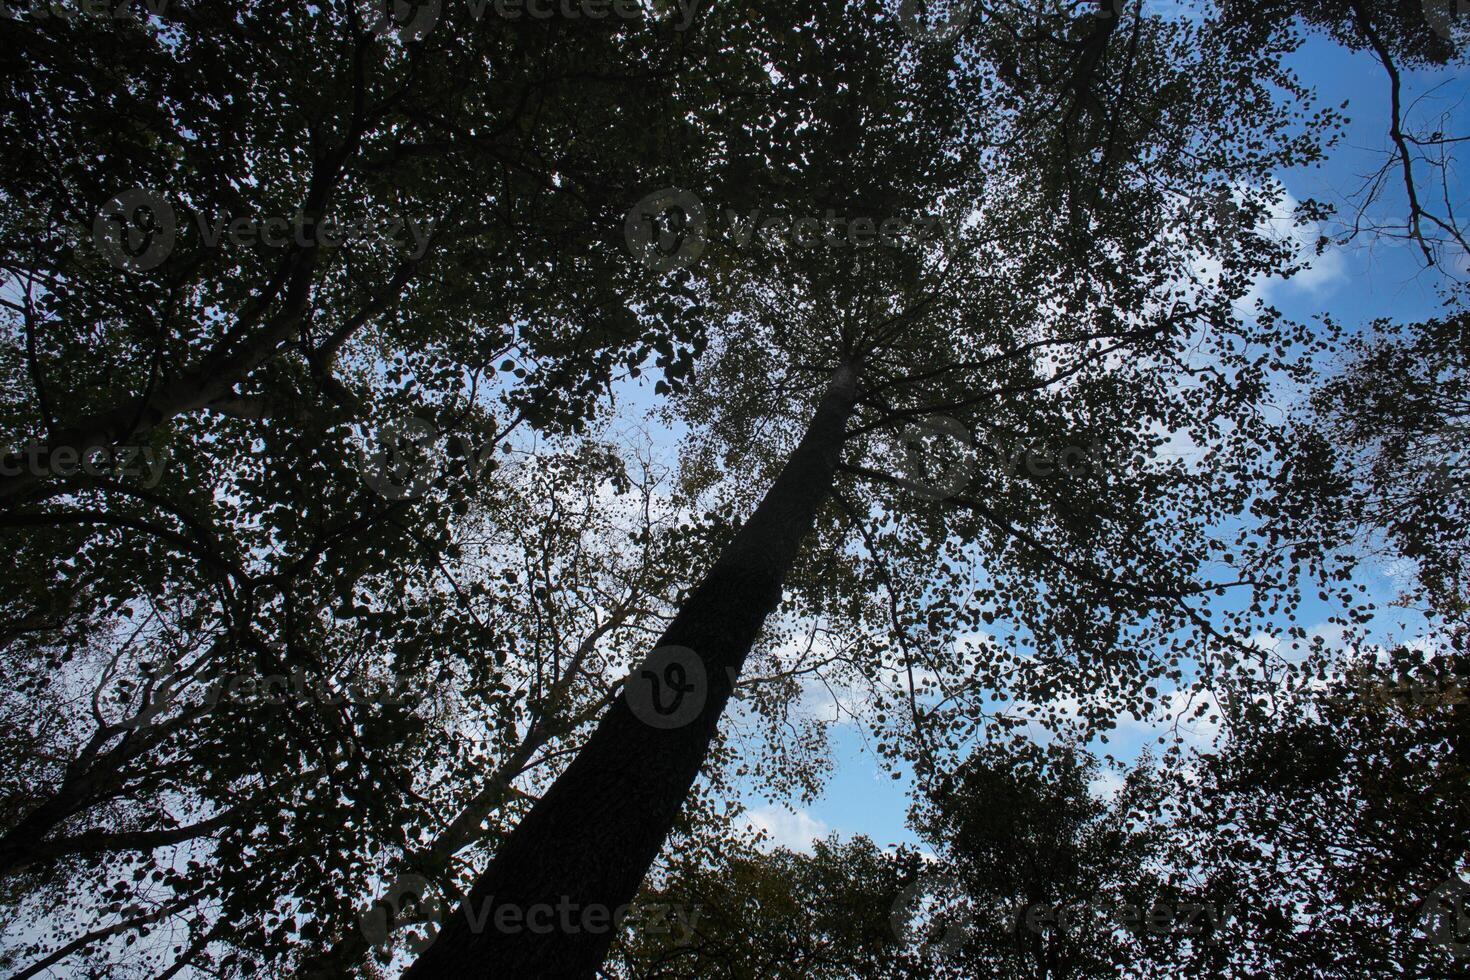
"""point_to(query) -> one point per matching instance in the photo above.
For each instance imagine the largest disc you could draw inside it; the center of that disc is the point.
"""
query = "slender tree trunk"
(545, 906)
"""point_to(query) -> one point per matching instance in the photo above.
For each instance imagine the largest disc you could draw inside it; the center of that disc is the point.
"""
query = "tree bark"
(585, 847)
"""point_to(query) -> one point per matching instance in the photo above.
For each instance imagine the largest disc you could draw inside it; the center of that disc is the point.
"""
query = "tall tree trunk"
(543, 908)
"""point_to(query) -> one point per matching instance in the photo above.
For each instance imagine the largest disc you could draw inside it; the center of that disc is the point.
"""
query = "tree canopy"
(358, 583)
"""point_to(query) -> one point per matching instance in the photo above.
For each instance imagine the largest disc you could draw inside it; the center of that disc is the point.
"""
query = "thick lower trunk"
(545, 905)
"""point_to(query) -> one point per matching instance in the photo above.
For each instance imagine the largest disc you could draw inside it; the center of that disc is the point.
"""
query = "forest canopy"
(458, 457)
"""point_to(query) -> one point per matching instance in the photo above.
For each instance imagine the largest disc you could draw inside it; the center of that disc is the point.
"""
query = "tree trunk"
(545, 905)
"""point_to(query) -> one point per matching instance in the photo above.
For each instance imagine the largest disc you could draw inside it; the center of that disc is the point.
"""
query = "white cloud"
(795, 830)
(1179, 716)
(1282, 649)
(1322, 272)
(1106, 786)
(830, 701)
